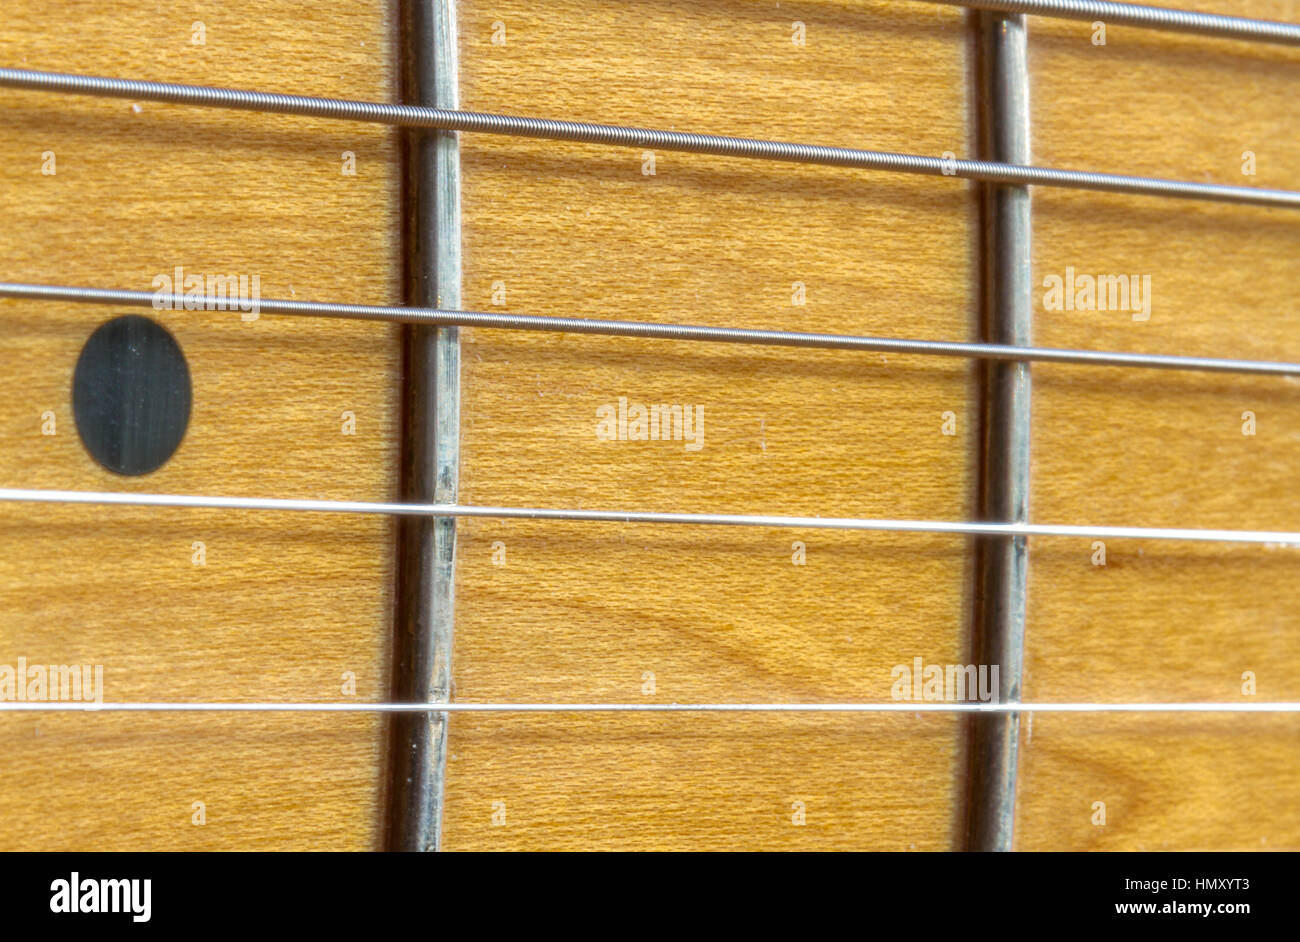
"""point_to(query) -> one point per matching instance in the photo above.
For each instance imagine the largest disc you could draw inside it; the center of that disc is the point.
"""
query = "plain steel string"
(1146, 17)
(463, 707)
(621, 136)
(574, 325)
(959, 527)
(1131, 14)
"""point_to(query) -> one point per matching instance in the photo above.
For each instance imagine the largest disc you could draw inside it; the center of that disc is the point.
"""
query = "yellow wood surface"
(286, 604)
(584, 612)
(1165, 621)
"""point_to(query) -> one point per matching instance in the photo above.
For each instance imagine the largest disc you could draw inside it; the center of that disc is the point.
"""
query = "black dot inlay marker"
(131, 395)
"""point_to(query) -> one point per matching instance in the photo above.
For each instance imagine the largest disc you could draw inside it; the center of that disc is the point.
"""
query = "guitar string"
(1147, 17)
(961, 528)
(622, 136)
(695, 332)
(1211, 24)
(460, 706)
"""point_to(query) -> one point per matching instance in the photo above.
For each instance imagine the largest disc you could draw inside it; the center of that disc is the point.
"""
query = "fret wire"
(1209, 24)
(651, 330)
(424, 596)
(1147, 17)
(960, 528)
(1002, 566)
(12, 706)
(624, 136)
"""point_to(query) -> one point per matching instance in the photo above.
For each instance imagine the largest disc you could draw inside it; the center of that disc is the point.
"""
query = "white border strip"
(459, 707)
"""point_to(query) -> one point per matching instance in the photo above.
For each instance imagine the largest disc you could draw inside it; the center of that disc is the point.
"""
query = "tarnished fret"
(1001, 567)
(426, 565)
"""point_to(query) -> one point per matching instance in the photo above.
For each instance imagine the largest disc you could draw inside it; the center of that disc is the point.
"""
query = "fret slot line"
(443, 119)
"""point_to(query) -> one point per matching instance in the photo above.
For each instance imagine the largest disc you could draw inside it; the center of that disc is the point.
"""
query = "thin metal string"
(1147, 17)
(620, 136)
(612, 328)
(463, 707)
(964, 528)
(1129, 14)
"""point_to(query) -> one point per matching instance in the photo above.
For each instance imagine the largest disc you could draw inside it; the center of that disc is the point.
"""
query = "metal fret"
(424, 620)
(1001, 563)
(429, 507)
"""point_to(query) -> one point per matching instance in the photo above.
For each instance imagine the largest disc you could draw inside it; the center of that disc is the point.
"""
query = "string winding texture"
(441, 119)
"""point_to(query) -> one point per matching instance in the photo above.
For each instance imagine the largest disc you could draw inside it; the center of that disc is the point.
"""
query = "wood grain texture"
(1165, 621)
(285, 604)
(590, 612)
